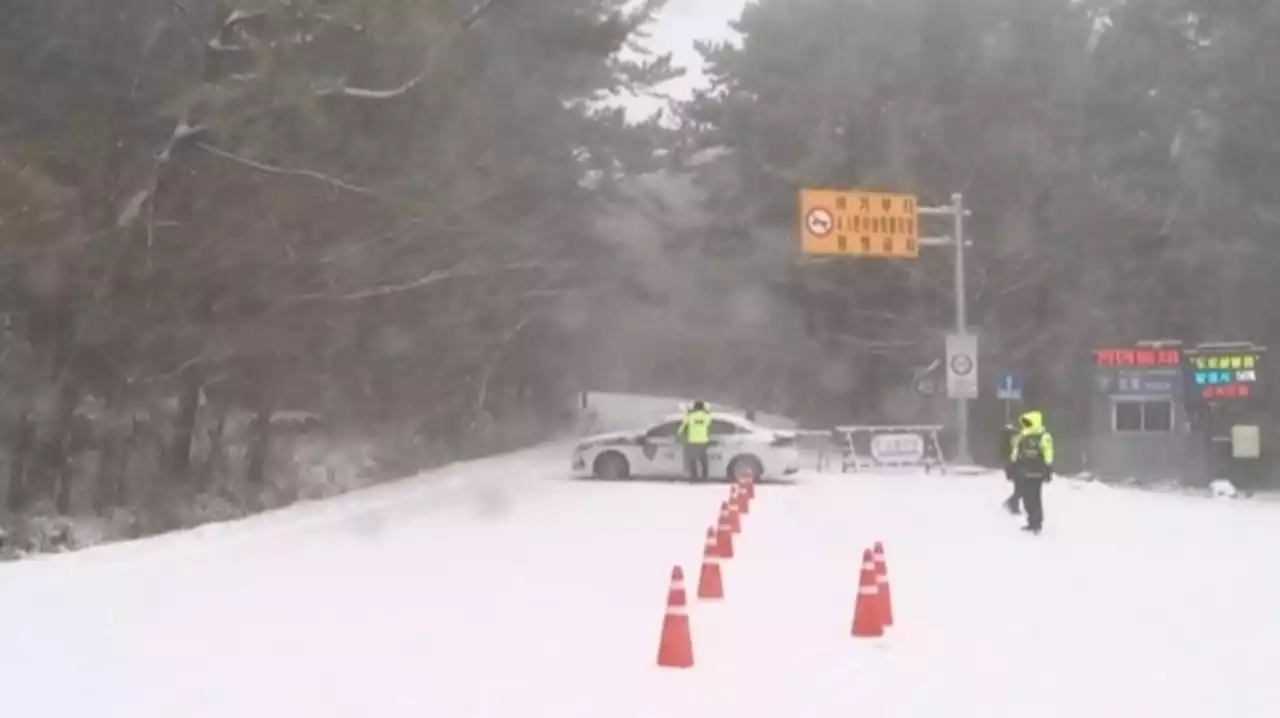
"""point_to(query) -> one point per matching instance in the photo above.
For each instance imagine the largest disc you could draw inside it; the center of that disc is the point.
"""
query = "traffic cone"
(748, 479)
(867, 621)
(724, 535)
(729, 512)
(743, 501)
(882, 584)
(710, 580)
(676, 647)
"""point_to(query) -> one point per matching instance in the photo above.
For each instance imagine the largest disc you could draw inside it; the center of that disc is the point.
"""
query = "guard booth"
(1138, 422)
(1226, 391)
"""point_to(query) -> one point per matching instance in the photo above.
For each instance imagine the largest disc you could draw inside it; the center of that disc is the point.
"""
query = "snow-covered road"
(499, 588)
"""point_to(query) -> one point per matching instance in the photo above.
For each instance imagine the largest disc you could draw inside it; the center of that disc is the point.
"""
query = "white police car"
(737, 444)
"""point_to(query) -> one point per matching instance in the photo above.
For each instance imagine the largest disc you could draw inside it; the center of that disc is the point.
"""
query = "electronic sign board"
(1226, 374)
(1139, 371)
(1138, 357)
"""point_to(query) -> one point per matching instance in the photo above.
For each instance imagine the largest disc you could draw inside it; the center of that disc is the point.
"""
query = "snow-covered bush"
(1221, 488)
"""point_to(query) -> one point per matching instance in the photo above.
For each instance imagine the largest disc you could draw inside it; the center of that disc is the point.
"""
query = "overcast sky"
(680, 24)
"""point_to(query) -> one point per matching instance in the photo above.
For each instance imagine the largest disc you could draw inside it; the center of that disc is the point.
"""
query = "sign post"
(957, 212)
(962, 366)
(886, 226)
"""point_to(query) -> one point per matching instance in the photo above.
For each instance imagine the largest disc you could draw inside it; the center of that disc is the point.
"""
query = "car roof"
(738, 419)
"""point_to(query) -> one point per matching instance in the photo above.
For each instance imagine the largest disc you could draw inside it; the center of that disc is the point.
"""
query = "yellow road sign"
(861, 224)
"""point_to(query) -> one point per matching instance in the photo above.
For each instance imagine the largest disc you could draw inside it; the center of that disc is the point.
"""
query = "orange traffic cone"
(740, 498)
(748, 480)
(724, 535)
(729, 513)
(676, 647)
(882, 584)
(710, 580)
(867, 622)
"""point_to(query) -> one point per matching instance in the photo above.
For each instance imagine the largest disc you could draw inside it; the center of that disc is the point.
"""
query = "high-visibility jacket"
(1031, 450)
(695, 430)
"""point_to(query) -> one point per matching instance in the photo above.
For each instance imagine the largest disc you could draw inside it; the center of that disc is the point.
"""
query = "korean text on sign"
(863, 224)
(1138, 357)
(1233, 361)
(1227, 391)
(1226, 376)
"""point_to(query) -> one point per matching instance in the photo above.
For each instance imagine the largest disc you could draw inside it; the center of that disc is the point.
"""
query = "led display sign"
(1139, 371)
(1139, 357)
(1226, 374)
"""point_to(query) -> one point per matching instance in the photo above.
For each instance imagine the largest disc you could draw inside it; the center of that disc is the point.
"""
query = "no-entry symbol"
(819, 222)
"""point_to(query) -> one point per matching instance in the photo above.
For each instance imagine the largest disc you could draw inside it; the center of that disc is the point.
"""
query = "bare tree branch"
(238, 16)
(429, 64)
(434, 277)
(198, 359)
(491, 362)
(273, 169)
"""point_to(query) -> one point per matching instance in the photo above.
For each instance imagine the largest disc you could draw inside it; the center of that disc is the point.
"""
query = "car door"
(726, 440)
(660, 452)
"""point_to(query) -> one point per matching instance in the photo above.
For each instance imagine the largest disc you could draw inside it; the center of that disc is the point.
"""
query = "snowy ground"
(498, 588)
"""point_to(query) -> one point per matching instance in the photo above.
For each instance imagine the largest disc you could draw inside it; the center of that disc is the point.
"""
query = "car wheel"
(611, 465)
(741, 464)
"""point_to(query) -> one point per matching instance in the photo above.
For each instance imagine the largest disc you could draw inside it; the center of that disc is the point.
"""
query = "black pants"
(696, 461)
(1030, 489)
(1013, 504)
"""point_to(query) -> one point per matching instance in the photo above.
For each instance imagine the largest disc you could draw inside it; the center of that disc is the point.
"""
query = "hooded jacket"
(1032, 447)
(695, 430)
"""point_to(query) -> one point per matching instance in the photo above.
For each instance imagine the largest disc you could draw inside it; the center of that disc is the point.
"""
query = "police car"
(737, 445)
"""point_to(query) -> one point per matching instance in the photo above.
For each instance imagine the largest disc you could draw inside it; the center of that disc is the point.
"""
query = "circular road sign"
(819, 222)
(961, 364)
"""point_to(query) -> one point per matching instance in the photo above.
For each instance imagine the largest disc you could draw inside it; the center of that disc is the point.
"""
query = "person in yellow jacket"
(695, 434)
(1031, 465)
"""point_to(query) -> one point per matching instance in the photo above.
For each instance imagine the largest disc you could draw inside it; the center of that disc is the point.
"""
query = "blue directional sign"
(1010, 387)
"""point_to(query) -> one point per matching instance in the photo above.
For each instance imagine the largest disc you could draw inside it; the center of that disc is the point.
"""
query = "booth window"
(1148, 417)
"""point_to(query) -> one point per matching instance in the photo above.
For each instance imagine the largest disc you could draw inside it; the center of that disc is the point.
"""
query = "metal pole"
(963, 454)
(957, 212)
